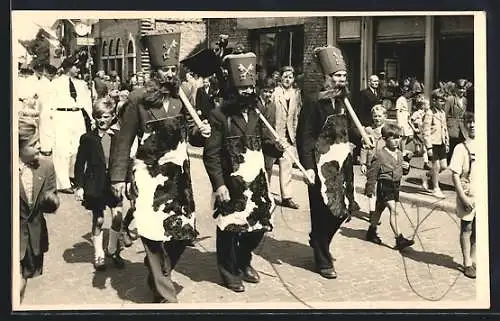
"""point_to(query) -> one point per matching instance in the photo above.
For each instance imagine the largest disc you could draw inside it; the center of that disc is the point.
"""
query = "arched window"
(119, 58)
(131, 58)
(119, 47)
(104, 57)
(130, 47)
(111, 53)
(104, 49)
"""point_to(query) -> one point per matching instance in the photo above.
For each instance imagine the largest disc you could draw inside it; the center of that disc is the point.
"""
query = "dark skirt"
(31, 265)
(387, 191)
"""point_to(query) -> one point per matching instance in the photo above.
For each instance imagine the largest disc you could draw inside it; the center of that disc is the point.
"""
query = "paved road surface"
(367, 272)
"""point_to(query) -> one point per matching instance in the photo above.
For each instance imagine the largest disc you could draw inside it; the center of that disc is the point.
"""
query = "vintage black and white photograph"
(249, 160)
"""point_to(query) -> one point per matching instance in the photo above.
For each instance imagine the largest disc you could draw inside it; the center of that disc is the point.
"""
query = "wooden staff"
(358, 124)
(276, 136)
(190, 108)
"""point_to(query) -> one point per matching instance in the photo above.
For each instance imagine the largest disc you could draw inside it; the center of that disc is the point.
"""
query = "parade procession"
(163, 169)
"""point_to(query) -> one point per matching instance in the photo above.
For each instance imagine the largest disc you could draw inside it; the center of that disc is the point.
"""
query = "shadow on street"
(418, 181)
(359, 234)
(284, 251)
(431, 258)
(129, 282)
(199, 266)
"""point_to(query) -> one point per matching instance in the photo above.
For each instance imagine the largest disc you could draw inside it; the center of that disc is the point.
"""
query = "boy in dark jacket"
(94, 184)
(387, 168)
(37, 195)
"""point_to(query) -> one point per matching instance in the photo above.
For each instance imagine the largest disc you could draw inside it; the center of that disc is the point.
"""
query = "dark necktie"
(72, 89)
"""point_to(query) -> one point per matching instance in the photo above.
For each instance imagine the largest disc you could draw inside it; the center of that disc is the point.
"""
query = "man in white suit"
(42, 83)
(71, 100)
(288, 103)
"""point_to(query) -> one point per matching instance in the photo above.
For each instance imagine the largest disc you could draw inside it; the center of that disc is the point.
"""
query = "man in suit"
(368, 98)
(71, 105)
(455, 108)
(165, 210)
(37, 190)
(288, 102)
(205, 98)
(233, 158)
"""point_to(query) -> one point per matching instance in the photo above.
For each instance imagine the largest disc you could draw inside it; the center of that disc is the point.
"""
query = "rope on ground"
(415, 234)
(278, 274)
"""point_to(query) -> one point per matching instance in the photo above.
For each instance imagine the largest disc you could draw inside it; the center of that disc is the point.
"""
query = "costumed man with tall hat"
(71, 105)
(234, 160)
(165, 210)
(326, 154)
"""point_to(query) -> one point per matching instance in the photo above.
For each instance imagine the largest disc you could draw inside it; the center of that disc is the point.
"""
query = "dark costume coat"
(165, 208)
(332, 161)
(233, 156)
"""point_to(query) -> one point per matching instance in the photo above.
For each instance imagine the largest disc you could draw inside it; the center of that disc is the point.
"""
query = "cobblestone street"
(366, 272)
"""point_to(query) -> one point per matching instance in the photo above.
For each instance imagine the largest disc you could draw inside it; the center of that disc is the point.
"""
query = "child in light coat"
(436, 140)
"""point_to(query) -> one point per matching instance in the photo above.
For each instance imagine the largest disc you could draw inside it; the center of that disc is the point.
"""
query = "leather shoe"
(117, 259)
(328, 273)
(250, 275)
(236, 287)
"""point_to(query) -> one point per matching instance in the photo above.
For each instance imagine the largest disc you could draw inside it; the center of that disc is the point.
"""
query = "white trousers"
(286, 168)
(69, 126)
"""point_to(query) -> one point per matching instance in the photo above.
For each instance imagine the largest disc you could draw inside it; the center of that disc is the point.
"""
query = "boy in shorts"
(93, 181)
(387, 168)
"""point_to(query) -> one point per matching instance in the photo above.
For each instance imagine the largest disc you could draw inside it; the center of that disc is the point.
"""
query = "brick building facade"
(118, 46)
(246, 31)
(399, 46)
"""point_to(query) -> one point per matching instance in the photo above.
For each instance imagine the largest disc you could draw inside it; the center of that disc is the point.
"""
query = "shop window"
(278, 47)
(401, 59)
(456, 25)
(349, 29)
(403, 28)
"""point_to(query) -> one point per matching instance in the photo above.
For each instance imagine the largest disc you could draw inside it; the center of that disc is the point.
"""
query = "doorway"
(462, 65)
(352, 55)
